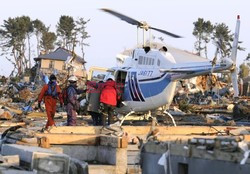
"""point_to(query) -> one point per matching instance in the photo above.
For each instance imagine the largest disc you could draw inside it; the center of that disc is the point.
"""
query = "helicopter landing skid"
(131, 112)
(172, 118)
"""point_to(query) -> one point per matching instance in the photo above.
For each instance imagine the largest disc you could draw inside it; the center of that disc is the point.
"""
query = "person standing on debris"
(108, 99)
(72, 103)
(94, 90)
(50, 92)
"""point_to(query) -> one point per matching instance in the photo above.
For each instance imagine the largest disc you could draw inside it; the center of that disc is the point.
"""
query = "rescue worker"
(94, 90)
(50, 92)
(109, 100)
(73, 104)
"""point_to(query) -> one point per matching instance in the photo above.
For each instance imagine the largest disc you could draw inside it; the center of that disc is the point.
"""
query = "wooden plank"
(13, 141)
(76, 129)
(124, 142)
(44, 142)
(247, 138)
(30, 114)
(179, 130)
(37, 114)
(10, 124)
(80, 139)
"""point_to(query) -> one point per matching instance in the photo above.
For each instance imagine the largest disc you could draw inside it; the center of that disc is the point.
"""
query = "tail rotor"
(234, 73)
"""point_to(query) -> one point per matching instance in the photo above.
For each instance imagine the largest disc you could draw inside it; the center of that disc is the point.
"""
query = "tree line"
(219, 33)
(16, 34)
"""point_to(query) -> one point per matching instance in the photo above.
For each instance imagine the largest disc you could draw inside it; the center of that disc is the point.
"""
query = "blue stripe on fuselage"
(152, 88)
(148, 88)
(136, 87)
(131, 87)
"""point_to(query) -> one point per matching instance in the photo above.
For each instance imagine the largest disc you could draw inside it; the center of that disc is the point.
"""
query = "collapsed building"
(60, 61)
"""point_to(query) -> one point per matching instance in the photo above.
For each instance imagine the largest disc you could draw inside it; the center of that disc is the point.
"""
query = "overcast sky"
(109, 35)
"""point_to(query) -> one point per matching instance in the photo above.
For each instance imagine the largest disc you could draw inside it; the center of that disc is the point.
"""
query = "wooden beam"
(84, 139)
(44, 142)
(37, 114)
(31, 114)
(247, 138)
(10, 124)
(80, 139)
(76, 129)
(144, 130)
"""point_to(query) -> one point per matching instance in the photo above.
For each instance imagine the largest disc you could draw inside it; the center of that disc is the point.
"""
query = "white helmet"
(73, 79)
(111, 77)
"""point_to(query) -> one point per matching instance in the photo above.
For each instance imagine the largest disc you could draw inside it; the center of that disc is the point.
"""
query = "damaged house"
(60, 61)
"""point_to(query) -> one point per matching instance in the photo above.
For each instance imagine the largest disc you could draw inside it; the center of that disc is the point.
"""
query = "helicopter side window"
(150, 61)
(140, 60)
(158, 62)
(144, 60)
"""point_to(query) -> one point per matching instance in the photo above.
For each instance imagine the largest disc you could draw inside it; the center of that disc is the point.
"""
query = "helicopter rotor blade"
(123, 17)
(142, 25)
(166, 32)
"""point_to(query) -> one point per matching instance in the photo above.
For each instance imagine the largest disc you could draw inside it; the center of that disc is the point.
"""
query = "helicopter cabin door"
(120, 79)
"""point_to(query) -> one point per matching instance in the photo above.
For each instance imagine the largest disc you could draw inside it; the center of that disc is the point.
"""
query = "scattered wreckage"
(85, 149)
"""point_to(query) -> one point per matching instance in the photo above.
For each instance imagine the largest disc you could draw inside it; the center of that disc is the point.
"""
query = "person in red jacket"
(109, 100)
(50, 93)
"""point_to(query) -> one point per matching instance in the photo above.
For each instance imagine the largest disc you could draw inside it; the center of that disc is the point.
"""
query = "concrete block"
(51, 163)
(153, 147)
(133, 157)
(4, 170)
(113, 156)
(43, 160)
(78, 167)
(25, 152)
(12, 160)
(102, 169)
(118, 142)
(82, 153)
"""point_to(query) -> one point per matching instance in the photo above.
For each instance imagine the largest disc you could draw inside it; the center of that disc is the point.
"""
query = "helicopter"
(149, 77)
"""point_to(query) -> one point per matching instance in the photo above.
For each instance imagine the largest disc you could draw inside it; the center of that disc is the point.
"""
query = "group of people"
(102, 99)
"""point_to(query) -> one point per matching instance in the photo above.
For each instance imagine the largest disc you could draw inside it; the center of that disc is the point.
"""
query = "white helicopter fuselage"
(149, 78)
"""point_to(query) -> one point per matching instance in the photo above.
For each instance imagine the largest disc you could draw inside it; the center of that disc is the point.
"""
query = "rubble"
(5, 115)
(83, 148)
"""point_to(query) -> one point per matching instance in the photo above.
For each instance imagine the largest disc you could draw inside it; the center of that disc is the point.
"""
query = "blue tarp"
(46, 79)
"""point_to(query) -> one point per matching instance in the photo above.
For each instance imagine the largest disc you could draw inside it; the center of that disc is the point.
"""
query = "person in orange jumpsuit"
(50, 92)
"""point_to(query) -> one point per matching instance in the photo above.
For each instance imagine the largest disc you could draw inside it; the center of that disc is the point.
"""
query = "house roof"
(59, 54)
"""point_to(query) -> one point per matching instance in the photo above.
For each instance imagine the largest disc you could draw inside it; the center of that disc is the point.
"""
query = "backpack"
(52, 90)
